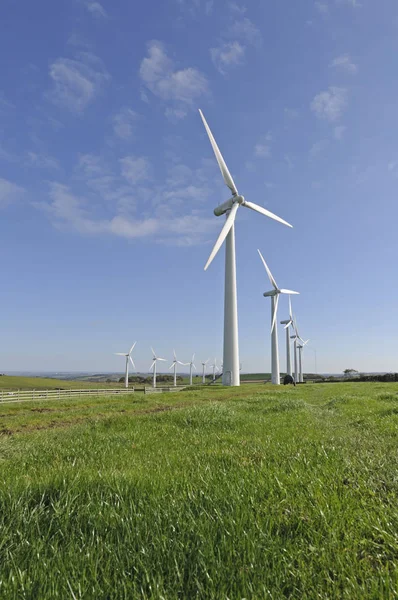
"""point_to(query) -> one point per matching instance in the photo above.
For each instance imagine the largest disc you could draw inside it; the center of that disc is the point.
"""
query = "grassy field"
(250, 492)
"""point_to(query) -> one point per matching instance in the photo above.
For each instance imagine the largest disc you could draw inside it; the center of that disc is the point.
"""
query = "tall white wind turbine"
(288, 323)
(274, 294)
(128, 358)
(174, 366)
(231, 375)
(204, 370)
(153, 366)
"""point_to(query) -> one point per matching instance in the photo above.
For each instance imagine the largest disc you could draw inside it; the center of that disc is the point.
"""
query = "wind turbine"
(190, 368)
(153, 366)
(300, 349)
(287, 324)
(215, 368)
(128, 358)
(204, 370)
(174, 365)
(231, 375)
(274, 294)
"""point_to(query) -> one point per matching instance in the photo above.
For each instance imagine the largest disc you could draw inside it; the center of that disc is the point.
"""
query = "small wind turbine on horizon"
(153, 366)
(215, 368)
(174, 366)
(300, 349)
(274, 294)
(231, 374)
(128, 358)
(191, 365)
(204, 370)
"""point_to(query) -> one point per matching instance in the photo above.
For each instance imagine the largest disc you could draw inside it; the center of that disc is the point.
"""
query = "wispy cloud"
(9, 192)
(344, 63)
(393, 165)
(330, 104)
(318, 148)
(339, 131)
(96, 9)
(76, 82)
(322, 7)
(246, 31)
(237, 8)
(124, 122)
(42, 161)
(263, 149)
(227, 56)
(135, 168)
(181, 87)
(129, 205)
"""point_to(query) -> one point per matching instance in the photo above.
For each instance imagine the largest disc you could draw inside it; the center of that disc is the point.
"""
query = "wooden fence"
(40, 395)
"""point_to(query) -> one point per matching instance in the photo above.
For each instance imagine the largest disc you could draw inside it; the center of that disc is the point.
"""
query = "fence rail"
(7, 396)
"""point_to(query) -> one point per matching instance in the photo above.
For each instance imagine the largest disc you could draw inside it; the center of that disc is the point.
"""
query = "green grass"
(250, 492)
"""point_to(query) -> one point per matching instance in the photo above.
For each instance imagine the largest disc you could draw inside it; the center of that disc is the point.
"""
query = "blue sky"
(108, 181)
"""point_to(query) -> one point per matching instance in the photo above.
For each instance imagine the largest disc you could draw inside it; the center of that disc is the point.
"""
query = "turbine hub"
(240, 199)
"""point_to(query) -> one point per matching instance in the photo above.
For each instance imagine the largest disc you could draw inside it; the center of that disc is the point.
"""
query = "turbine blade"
(174, 354)
(270, 276)
(207, 361)
(132, 362)
(132, 347)
(290, 310)
(224, 232)
(193, 357)
(265, 212)
(288, 292)
(221, 162)
(275, 313)
(153, 351)
(304, 343)
(163, 359)
(171, 366)
(288, 325)
(152, 365)
(120, 354)
(197, 369)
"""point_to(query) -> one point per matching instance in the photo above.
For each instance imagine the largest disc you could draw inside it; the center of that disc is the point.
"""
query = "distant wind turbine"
(174, 366)
(288, 323)
(274, 294)
(128, 358)
(215, 368)
(204, 370)
(231, 375)
(300, 349)
(153, 366)
(191, 365)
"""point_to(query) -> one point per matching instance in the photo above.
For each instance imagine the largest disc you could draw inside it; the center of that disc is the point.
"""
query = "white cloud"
(96, 9)
(227, 56)
(263, 149)
(135, 169)
(9, 192)
(124, 122)
(322, 7)
(175, 114)
(236, 8)
(180, 87)
(42, 161)
(245, 30)
(76, 82)
(318, 148)
(339, 131)
(291, 113)
(392, 165)
(330, 104)
(344, 63)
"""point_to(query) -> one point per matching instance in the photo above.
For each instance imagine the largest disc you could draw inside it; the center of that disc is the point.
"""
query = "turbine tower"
(153, 366)
(204, 370)
(174, 366)
(287, 324)
(231, 374)
(274, 294)
(190, 368)
(128, 358)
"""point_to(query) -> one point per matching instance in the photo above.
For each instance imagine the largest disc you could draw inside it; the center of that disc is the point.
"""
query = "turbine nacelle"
(226, 206)
(271, 293)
